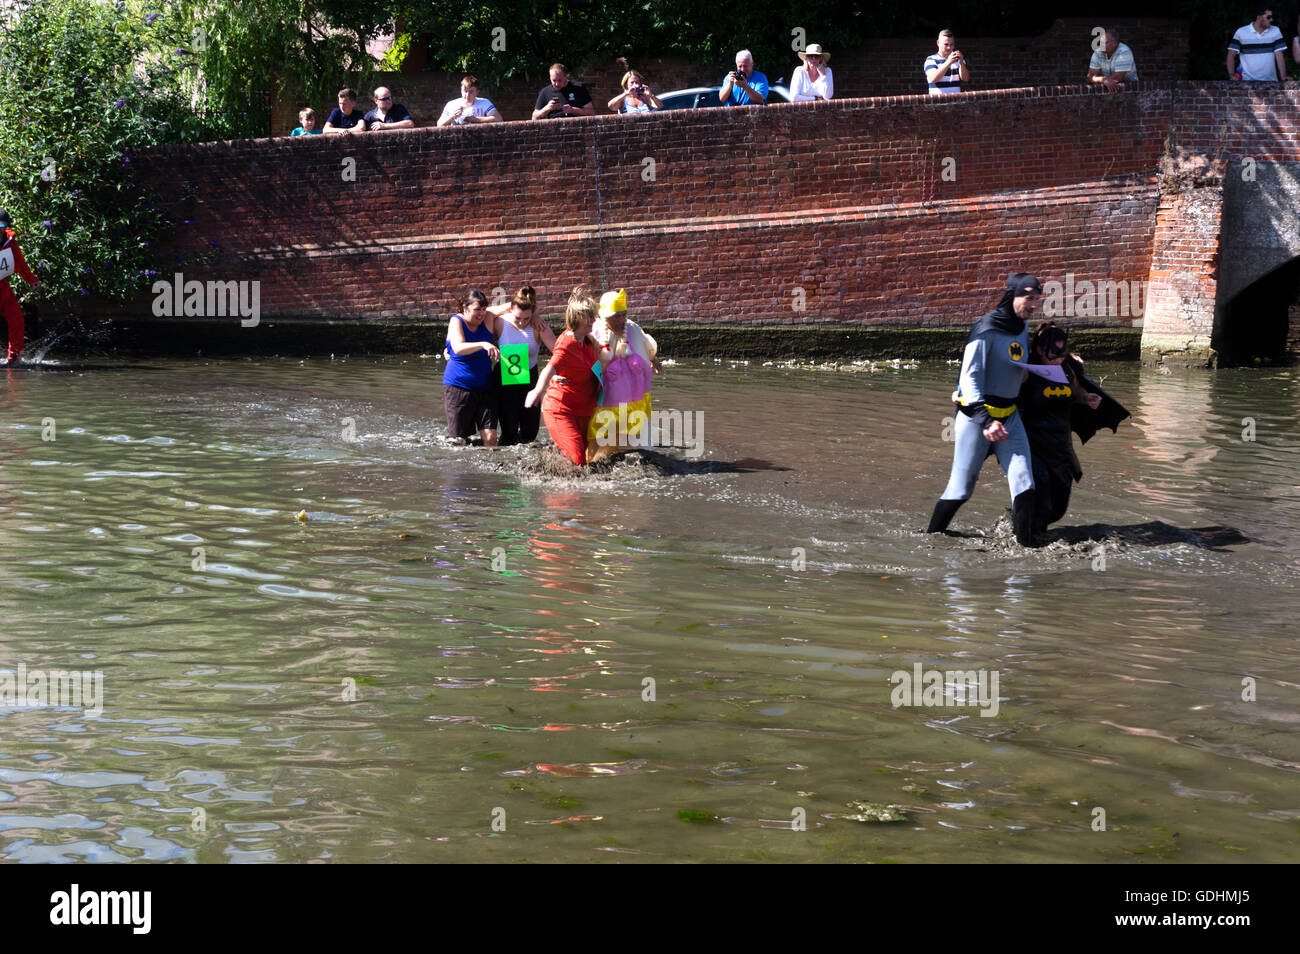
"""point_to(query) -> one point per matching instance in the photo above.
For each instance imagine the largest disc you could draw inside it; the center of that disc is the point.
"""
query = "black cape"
(1086, 422)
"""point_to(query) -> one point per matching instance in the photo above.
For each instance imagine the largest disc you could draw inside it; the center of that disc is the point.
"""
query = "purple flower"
(150, 18)
(49, 224)
(126, 161)
(121, 6)
(83, 291)
(120, 103)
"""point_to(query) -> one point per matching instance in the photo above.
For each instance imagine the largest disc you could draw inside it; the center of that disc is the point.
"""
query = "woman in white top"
(812, 80)
(516, 322)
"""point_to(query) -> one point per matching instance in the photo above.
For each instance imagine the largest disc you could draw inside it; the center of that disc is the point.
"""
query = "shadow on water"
(547, 461)
(1154, 533)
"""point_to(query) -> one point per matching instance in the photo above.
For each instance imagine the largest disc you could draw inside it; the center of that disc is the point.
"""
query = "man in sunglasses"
(1259, 45)
(386, 115)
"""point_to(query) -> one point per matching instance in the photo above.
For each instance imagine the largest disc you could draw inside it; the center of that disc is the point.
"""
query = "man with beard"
(992, 370)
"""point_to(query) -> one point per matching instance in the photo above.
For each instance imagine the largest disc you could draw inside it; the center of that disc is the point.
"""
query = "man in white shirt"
(1112, 66)
(470, 108)
(1259, 44)
(946, 70)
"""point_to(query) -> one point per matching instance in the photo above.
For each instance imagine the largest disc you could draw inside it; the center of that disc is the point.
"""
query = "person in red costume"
(11, 261)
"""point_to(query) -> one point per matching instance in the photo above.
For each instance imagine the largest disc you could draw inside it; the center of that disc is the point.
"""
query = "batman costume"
(1050, 412)
(992, 370)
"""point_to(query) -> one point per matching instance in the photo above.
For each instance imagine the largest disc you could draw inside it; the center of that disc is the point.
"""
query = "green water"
(451, 657)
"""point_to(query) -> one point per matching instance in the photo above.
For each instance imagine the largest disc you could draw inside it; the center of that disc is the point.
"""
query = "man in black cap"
(992, 370)
(11, 261)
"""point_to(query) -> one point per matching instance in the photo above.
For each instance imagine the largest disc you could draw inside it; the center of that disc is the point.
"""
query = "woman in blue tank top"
(468, 384)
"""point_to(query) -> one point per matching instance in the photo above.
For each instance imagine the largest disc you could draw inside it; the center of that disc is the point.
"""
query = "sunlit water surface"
(458, 655)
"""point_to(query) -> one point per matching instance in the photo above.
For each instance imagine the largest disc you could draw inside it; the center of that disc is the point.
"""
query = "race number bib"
(514, 364)
(6, 262)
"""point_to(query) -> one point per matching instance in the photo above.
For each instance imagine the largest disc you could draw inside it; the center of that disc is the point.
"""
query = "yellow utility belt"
(1004, 408)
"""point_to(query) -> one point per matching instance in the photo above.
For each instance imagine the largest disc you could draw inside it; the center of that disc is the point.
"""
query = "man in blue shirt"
(744, 87)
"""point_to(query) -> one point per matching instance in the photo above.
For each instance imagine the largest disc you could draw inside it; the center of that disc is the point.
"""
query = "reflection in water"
(607, 657)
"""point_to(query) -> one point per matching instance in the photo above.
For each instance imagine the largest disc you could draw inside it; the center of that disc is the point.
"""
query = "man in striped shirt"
(1112, 65)
(946, 70)
(1260, 46)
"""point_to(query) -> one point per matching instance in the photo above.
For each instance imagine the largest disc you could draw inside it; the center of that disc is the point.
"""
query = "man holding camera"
(744, 86)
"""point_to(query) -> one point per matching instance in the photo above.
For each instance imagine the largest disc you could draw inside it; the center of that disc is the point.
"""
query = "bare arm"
(1232, 68)
(544, 333)
(934, 74)
(456, 335)
(539, 388)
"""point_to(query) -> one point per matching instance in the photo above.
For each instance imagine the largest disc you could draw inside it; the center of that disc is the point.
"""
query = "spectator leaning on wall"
(1112, 66)
(346, 118)
(1259, 44)
(387, 114)
(946, 70)
(307, 123)
(470, 108)
(562, 97)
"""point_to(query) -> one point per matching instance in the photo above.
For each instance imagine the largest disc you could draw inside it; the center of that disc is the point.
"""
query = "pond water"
(324, 634)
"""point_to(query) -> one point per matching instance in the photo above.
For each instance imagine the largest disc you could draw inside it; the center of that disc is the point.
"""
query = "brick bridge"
(892, 211)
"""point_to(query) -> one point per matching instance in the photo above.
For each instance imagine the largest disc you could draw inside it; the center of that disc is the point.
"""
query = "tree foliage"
(250, 51)
(82, 83)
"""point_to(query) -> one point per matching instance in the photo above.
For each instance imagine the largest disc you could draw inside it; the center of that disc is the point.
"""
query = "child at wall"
(308, 119)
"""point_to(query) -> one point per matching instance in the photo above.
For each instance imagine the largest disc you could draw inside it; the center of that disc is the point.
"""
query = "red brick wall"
(1213, 126)
(845, 200)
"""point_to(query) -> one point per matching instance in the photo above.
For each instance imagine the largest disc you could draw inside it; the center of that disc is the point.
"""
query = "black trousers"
(1053, 485)
(519, 424)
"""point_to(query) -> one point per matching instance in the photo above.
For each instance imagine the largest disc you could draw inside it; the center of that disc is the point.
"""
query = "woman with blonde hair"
(636, 96)
(571, 380)
(813, 80)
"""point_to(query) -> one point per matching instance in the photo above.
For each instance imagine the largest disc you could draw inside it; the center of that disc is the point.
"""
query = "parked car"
(700, 97)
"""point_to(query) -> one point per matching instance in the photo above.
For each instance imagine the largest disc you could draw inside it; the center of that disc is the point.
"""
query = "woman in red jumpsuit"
(11, 261)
